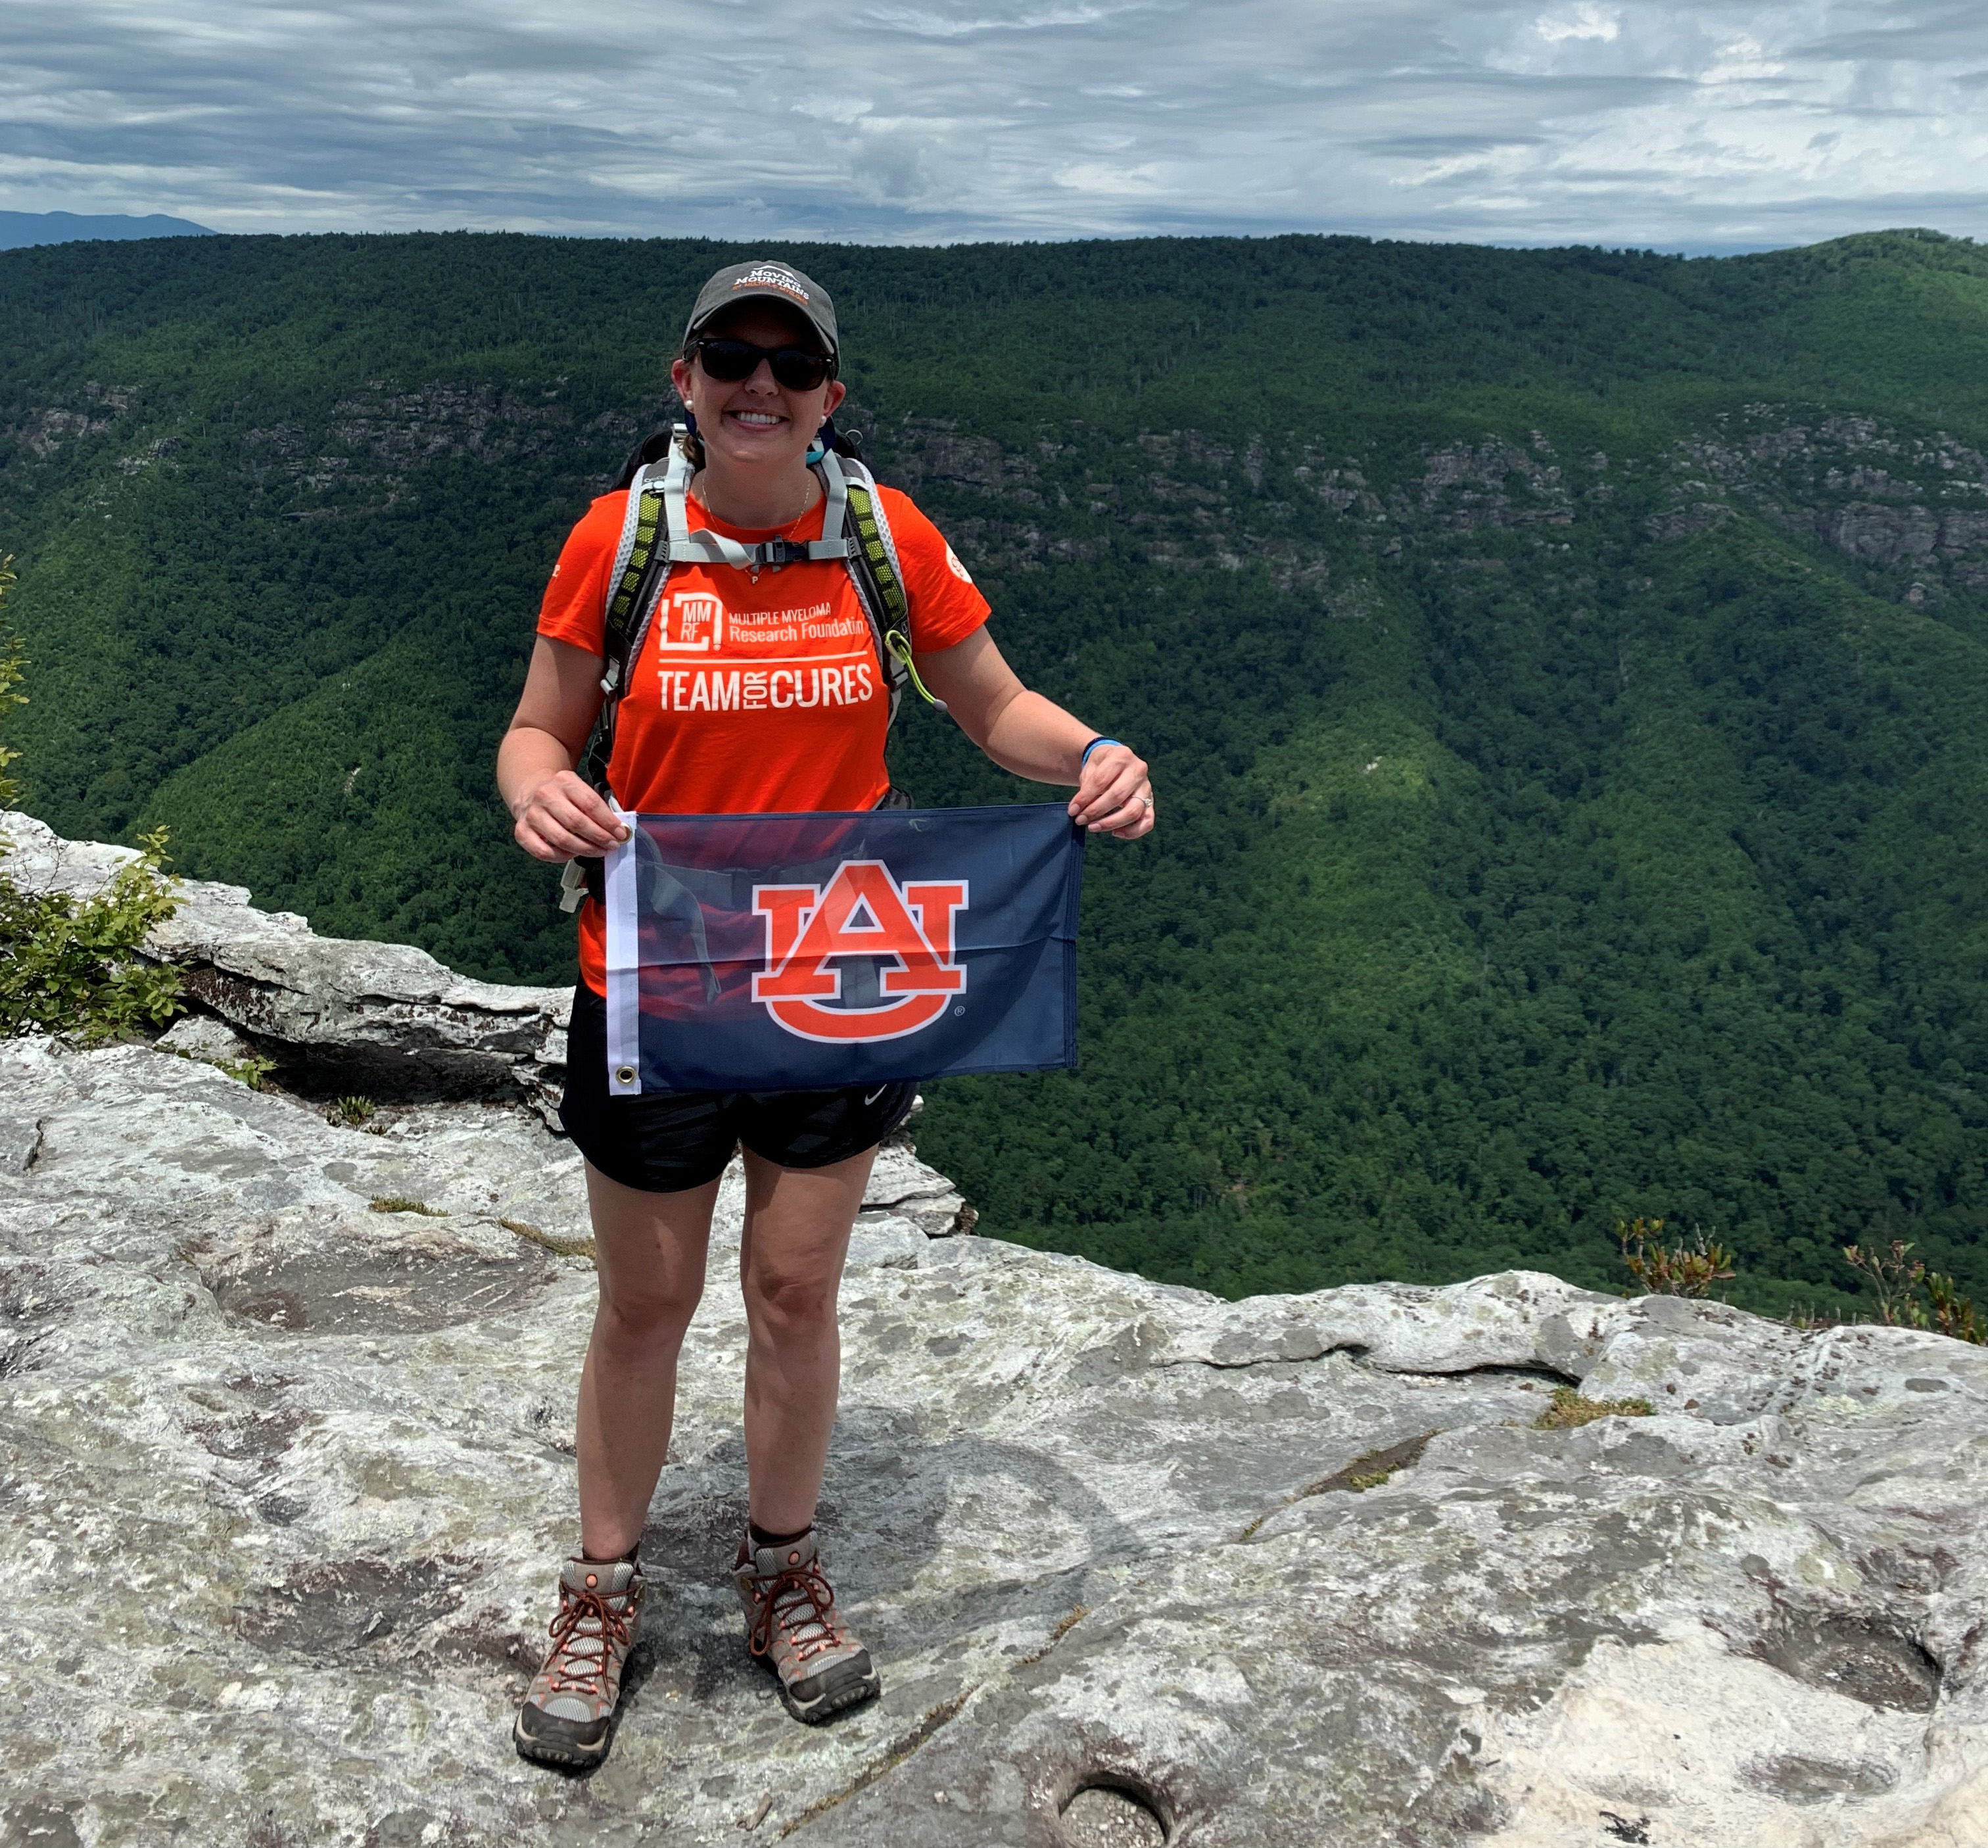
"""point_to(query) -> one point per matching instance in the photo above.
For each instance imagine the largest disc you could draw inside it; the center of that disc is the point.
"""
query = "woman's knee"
(783, 1298)
(644, 1313)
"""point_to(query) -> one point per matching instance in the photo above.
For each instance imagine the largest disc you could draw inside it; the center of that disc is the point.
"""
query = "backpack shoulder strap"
(643, 549)
(880, 579)
(655, 512)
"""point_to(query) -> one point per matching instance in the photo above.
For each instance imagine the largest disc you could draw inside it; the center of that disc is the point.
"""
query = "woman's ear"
(682, 374)
(837, 391)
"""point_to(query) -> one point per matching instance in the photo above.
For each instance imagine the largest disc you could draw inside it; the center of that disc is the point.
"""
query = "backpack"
(656, 535)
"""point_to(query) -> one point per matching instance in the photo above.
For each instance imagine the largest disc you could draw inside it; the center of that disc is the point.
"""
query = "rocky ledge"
(286, 1460)
(382, 1019)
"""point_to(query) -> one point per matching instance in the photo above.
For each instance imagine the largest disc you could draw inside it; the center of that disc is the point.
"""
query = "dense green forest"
(1563, 671)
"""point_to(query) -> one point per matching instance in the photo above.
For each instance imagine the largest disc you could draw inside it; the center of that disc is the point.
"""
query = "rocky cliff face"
(287, 1465)
(1912, 509)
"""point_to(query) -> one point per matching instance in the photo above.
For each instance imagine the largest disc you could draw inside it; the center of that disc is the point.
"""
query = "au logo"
(862, 912)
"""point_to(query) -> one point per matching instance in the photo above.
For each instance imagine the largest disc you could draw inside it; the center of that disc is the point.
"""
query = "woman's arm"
(559, 815)
(1035, 737)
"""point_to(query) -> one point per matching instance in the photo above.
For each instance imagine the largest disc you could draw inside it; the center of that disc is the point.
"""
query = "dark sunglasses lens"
(798, 370)
(727, 361)
(794, 367)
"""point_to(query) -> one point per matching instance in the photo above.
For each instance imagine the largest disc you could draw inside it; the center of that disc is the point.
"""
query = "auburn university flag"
(805, 952)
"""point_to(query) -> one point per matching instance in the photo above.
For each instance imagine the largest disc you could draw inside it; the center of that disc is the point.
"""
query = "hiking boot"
(793, 1629)
(568, 1715)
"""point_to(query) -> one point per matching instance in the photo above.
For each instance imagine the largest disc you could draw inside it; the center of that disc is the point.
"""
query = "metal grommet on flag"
(624, 1075)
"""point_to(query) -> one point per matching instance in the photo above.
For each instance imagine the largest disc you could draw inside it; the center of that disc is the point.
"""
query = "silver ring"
(1148, 801)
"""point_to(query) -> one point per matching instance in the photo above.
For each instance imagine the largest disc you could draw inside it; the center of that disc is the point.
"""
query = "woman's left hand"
(1115, 796)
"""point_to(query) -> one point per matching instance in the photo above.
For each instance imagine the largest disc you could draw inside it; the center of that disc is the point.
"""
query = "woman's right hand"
(555, 814)
(564, 818)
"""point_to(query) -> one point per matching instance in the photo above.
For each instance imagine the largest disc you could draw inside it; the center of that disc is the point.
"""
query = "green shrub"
(1899, 1279)
(70, 966)
(1672, 1270)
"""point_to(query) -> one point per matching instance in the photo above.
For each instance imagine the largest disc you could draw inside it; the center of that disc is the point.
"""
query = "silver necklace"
(703, 500)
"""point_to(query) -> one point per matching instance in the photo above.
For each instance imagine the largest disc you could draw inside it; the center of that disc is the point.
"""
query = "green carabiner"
(899, 647)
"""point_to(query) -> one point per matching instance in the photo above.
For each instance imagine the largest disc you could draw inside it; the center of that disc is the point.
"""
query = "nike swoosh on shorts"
(877, 1093)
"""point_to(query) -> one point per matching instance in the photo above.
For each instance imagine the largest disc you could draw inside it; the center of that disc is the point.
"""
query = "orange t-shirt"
(752, 698)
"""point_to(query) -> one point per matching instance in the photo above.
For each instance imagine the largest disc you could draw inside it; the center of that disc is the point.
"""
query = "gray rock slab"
(285, 1479)
(386, 1019)
(202, 1036)
(902, 1187)
(20, 1143)
(893, 1243)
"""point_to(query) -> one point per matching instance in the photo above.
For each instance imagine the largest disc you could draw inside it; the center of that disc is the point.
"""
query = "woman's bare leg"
(797, 1226)
(649, 1249)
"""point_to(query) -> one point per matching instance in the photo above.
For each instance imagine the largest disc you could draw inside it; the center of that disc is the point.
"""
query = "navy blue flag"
(805, 952)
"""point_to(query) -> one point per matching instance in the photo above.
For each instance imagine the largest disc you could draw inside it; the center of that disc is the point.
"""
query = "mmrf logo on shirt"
(824, 944)
(693, 623)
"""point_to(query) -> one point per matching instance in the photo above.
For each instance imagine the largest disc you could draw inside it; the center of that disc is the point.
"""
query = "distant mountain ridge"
(21, 230)
(1565, 674)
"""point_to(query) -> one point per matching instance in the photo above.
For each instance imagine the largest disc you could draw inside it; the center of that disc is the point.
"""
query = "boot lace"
(578, 1661)
(802, 1604)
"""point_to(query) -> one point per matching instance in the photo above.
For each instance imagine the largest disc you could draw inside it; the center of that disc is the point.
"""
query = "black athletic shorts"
(664, 1141)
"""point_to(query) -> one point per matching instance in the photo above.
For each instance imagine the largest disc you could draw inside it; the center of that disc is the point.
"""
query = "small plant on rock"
(1686, 1269)
(560, 1247)
(351, 1112)
(1909, 1296)
(1953, 1313)
(1895, 1276)
(253, 1071)
(1569, 1411)
(400, 1203)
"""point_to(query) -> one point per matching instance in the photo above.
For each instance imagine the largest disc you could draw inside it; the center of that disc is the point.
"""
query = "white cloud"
(1586, 22)
(927, 23)
(1703, 122)
(1099, 178)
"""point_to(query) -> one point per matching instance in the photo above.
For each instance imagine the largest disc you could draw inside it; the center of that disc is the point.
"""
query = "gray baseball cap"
(775, 280)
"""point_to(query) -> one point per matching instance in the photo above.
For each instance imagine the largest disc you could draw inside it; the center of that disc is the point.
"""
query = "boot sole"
(826, 1706)
(559, 1751)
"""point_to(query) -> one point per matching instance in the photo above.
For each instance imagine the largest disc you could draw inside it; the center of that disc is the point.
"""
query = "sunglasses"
(795, 368)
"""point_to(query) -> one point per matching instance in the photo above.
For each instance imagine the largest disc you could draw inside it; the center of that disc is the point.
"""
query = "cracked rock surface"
(286, 1480)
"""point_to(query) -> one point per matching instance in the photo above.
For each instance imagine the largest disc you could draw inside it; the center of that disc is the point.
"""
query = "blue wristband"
(1092, 746)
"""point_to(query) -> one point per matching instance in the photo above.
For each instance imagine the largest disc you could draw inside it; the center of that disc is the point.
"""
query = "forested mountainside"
(1564, 672)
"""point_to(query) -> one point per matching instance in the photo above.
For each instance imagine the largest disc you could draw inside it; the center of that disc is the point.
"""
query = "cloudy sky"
(1698, 124)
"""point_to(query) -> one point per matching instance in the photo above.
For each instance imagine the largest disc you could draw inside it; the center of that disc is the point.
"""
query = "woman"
(758, 374)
